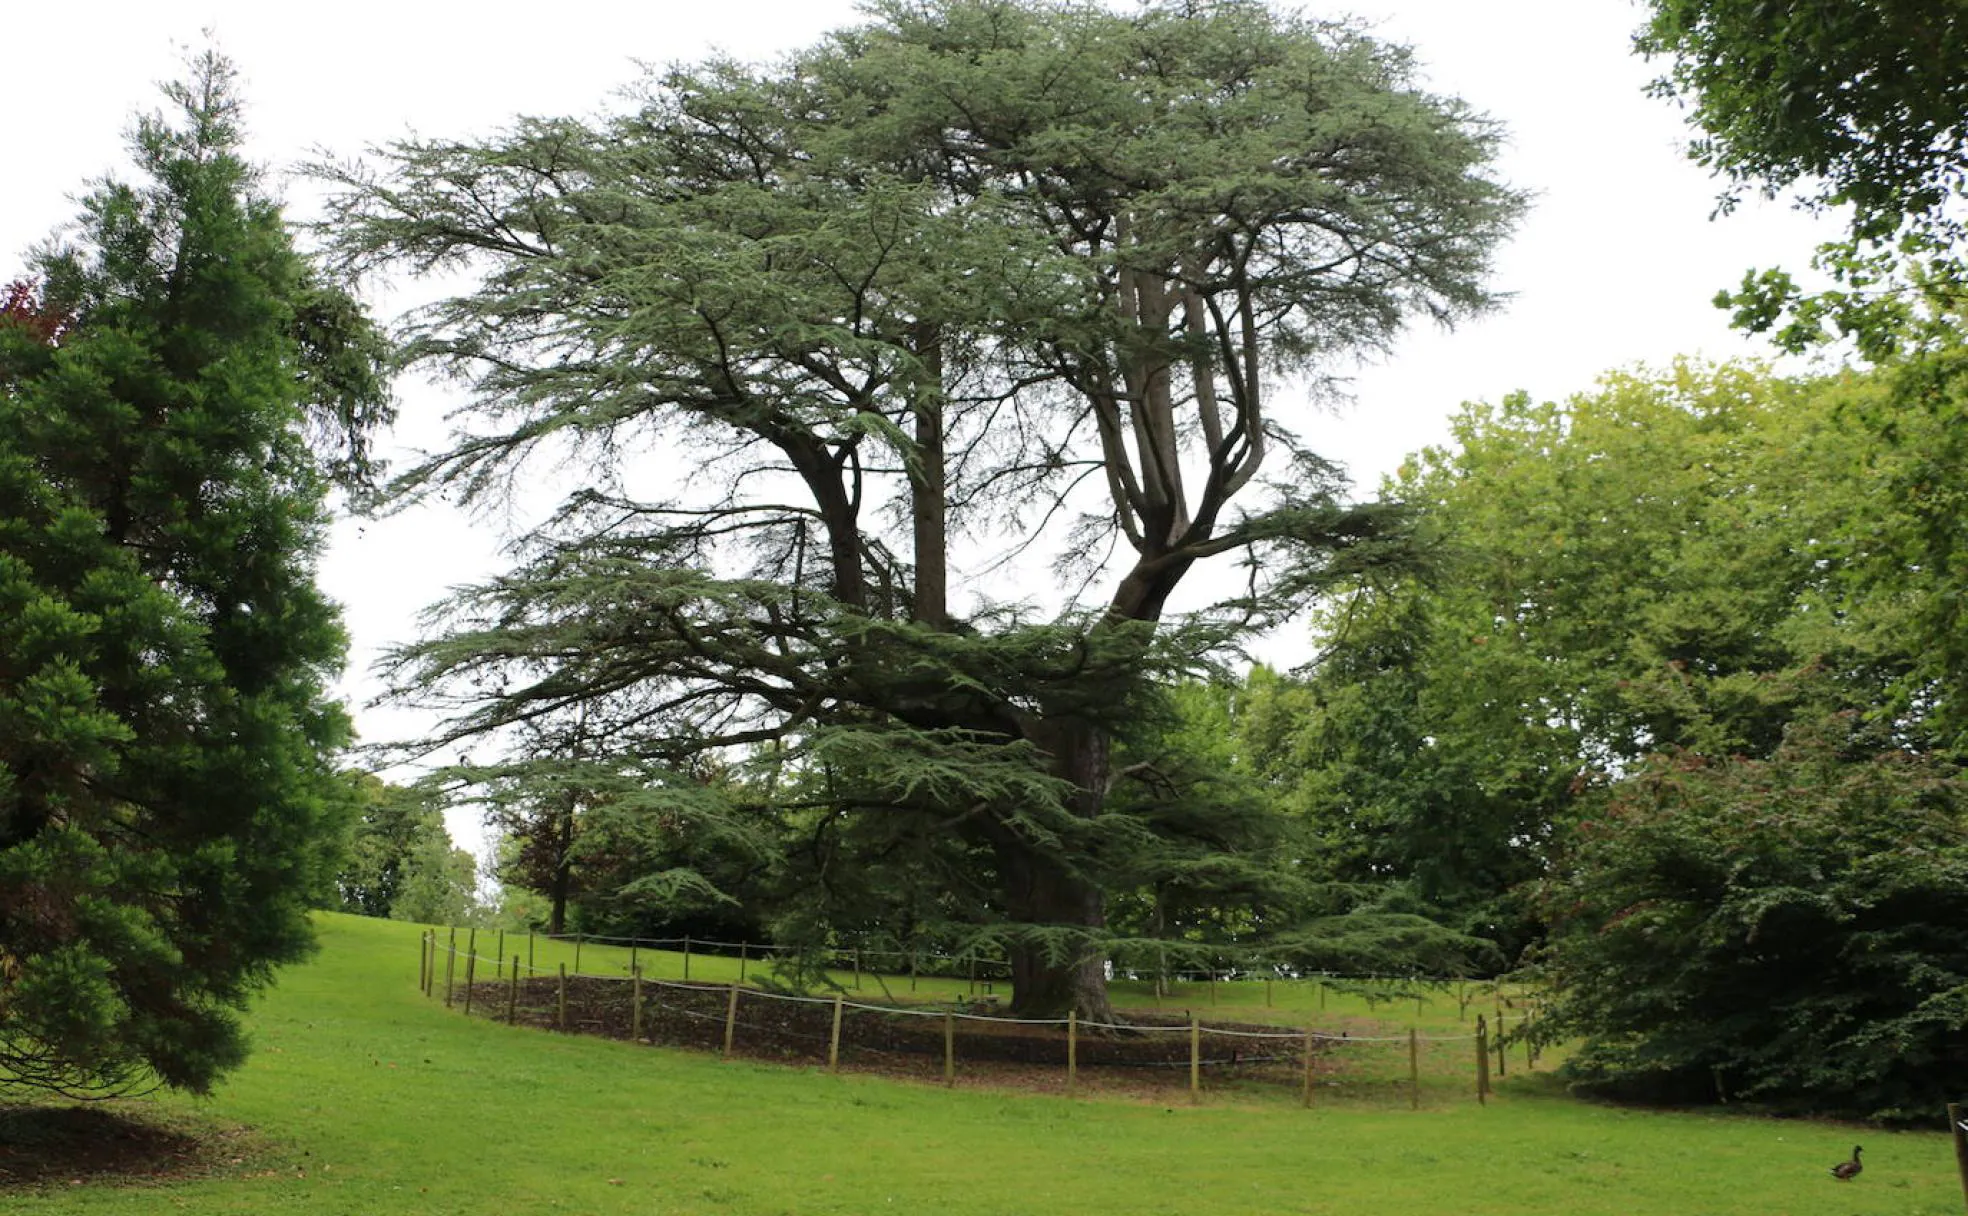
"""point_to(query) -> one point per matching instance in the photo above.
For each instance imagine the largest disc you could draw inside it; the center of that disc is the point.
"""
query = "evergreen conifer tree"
(166, 799)
(1017, 273)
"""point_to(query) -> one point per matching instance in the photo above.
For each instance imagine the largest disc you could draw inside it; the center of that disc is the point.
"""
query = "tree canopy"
(167, 809)
(1862, 102)
(400, 862)
(1685, 654)
(1778, 930)
(1861, 105)
(974, 283)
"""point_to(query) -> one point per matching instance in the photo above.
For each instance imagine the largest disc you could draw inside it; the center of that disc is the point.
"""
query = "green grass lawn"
(364, 1097)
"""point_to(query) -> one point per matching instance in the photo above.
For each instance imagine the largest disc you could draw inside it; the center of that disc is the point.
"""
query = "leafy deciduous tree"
(1783, 930)
(400, 861)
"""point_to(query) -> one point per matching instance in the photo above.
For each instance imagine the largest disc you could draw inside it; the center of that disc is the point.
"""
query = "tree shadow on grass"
(43, 1145)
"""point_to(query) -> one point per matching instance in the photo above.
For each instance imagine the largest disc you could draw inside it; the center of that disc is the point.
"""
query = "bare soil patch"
(1150, 1057)
(51, 1145)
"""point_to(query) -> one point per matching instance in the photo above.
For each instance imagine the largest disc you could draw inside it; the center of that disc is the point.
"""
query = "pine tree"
(166, 801)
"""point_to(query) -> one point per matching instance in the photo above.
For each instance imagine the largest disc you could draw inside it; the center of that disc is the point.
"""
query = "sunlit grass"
(370, 1098)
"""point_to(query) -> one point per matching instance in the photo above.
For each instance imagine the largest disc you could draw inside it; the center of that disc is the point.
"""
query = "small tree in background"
(167, 809)
(401, 863)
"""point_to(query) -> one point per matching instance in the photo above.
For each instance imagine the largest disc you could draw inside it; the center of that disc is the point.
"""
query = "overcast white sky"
(1614, 266)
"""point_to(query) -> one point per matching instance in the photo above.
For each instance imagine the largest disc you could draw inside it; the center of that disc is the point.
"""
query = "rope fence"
(979, 973)
(939, 1039)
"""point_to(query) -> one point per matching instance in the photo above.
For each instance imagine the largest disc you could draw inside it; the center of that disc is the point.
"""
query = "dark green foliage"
(1785, 931)
(166, 806)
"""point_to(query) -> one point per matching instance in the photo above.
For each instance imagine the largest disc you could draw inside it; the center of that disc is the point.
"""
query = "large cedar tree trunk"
(1039, 890)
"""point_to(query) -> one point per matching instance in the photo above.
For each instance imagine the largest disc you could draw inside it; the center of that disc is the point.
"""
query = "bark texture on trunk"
(1041, 889)
(929, 493)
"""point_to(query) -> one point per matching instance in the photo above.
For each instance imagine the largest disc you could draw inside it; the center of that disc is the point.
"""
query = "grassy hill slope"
(365, 1097)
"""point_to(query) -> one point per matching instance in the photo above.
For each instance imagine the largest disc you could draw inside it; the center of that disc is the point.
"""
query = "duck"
(1845, 1171)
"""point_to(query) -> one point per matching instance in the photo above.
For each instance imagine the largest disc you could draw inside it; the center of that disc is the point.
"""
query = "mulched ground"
(1151, 1059)
(46, 1145)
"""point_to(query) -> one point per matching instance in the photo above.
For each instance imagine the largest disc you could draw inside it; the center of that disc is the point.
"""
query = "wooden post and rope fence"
(1501, 1046)
(1488, 1038)
(949, 1047)
(1195, 1055)
(1306, 1098)
(470, 958)
(1414, 1069)
(1072, 1049)
(1958, 1129)
(635, 999)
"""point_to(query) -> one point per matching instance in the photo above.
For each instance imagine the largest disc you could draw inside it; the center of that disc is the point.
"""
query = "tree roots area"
(61, 1145)
(1149, 1056)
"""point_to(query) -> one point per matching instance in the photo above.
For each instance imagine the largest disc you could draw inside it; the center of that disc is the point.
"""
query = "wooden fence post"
(1958, 1128)
(857, 969)
(1414, 1069)
(423, 962)
(1212, 987)
(1195, 1055)
(512, 995)
(730, 1019)
(744, 957)
(686, 959)
(450, 965)
(834, 1038)
(949, 1047)
(560, 1015)
(1482, 1061)
(1072, 1048)
(470, 961)
(635, 955)
(499, 957)
(1501, 1046)
(635, 1017)
(1306, 1097)
(577, 954)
